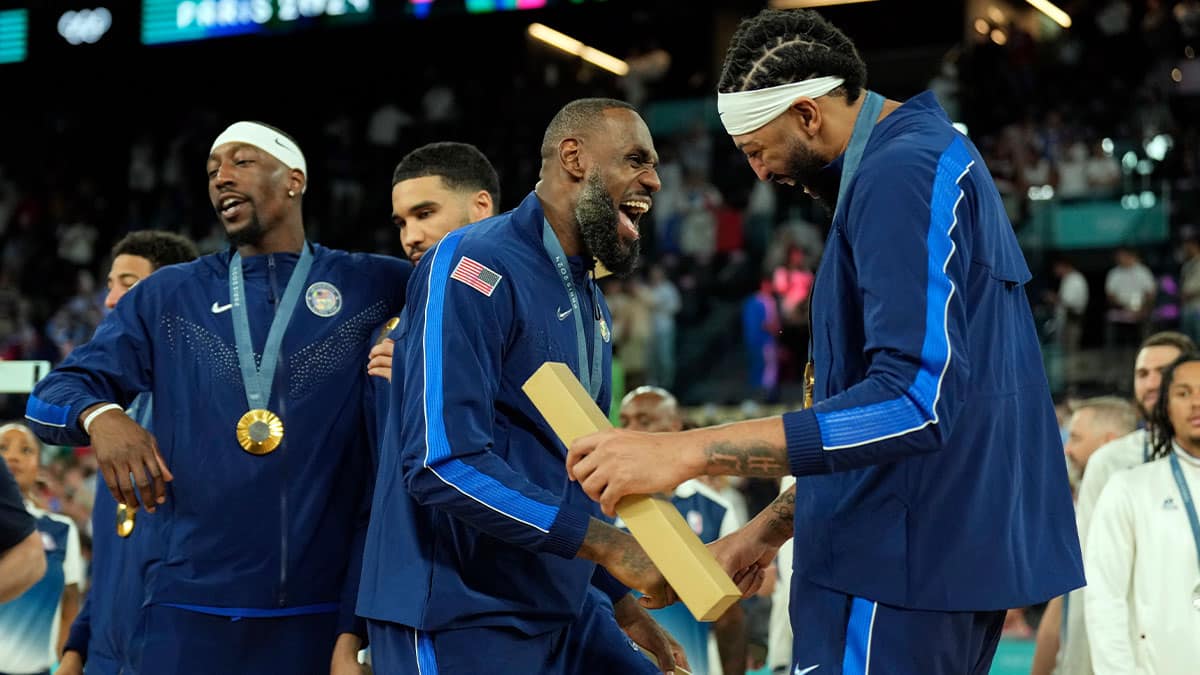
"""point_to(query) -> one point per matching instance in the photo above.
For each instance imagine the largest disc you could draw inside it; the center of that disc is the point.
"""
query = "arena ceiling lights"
(572, 46)
(1051, 10)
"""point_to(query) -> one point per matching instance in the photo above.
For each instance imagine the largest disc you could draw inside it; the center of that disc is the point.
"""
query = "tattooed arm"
(612, 464)
(756, 448)
(625, 560)
(747, 553)
(779, 518)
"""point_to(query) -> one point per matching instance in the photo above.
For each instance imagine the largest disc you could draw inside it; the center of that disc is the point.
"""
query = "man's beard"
(806, 167)
(597, 218)
(250, 235)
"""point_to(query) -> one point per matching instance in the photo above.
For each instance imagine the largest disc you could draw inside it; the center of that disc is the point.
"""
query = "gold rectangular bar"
(657, 525)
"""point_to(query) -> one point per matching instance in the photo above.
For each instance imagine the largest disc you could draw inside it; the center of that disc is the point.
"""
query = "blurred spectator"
(698, 228)
(665, 305)
(1072, 172)
(1190, 288)
(793, 284)
(1130, 288)
(1070, 304)
(760, 326)
(633, 329)
(1103, 171)
(74, 323)
(34, 626)
(22, 560)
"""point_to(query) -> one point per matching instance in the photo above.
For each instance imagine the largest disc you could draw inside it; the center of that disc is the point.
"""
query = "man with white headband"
(931, 492)
(259, 464)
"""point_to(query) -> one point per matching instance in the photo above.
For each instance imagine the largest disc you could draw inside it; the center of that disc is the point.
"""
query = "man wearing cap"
(931, 492)
(259, 463)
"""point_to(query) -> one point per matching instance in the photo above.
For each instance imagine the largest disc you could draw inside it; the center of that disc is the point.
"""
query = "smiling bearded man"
(472, 508)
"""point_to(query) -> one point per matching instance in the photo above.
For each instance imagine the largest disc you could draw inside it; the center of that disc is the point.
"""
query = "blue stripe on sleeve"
(916, 409)
(458, 474)
(46, 414)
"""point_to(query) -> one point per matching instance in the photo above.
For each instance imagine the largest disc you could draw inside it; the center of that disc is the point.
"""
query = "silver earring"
(291, 193)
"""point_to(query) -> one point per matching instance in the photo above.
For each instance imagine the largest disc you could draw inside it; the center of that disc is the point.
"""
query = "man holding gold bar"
(436, 189)
(504, 548)
(932, 494)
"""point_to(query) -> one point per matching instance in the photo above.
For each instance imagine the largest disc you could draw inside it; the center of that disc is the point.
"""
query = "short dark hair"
(461, 165)
(575, 117)
(781, 46)
(1170, 338)
(159, 247)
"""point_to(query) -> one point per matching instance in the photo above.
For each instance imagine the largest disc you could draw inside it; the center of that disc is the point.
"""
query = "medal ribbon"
(864, 124)
(258, 381)
(590, 378)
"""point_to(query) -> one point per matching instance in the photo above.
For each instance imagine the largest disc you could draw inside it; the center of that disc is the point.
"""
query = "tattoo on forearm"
(634, 559)
(783, 514)
(602, 537)
(755, 459)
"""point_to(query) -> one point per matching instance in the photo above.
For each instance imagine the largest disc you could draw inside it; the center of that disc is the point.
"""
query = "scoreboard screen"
(14, 35)
(165, 21)
(423, 8)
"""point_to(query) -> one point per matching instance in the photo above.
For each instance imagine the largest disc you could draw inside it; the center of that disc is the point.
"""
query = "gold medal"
(810, 383)
(259, 432)
(125, 520)
(389, 327)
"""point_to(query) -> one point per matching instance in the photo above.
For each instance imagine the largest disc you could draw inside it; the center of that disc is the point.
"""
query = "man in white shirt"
(1156, 353)
(1143, 557)
(1130, 287)
(1070, 305)
(1095, 423)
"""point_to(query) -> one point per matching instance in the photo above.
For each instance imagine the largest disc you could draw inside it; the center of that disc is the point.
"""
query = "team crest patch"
(695, 521)
(323, 299)
(48, 543)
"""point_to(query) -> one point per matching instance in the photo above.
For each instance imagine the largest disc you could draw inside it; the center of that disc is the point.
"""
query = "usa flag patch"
(476, 275)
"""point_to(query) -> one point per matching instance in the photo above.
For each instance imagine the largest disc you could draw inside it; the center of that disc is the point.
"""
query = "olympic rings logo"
(85, 26)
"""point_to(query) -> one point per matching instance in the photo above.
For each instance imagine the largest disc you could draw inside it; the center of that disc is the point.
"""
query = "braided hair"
(1162, 433)
(781, 46)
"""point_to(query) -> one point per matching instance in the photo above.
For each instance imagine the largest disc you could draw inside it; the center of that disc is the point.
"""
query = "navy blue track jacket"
(244, 535)
(931, 469)
(474, 522)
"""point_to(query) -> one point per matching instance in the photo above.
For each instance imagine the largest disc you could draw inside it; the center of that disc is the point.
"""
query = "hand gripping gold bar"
(657, 525)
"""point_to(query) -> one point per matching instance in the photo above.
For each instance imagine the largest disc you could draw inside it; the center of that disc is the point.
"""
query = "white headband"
(5, 428)
(746, 111)
(266, 139)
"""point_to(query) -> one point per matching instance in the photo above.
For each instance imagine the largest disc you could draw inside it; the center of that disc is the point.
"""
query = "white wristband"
(87, 421)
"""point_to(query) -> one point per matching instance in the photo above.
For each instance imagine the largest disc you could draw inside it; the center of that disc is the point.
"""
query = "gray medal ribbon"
(590, 378)
(258, 381)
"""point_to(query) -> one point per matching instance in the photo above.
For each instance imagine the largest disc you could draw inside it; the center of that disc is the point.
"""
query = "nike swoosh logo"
(217, 309)
(809, 669)
(281, 144)
(562, 315)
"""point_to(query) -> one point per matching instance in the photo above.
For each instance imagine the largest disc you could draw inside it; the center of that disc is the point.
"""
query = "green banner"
(1095, 224)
